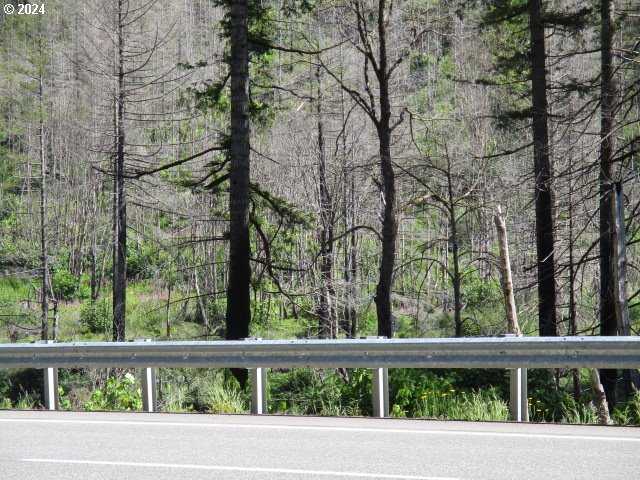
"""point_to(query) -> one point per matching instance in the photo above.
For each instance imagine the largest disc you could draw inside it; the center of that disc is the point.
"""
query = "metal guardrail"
(378, 354)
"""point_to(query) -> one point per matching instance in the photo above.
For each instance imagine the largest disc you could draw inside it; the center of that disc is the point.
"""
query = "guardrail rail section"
(378, 354)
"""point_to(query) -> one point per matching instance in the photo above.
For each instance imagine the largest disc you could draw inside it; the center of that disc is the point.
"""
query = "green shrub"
(176, 398)
(629, 412)
(96, 316)
(446, 394)
(65, 284)
(310, 392)
(482, 405)
(145, 260)
(202, 390)
(65, 402)
(84, 288)
(4, 383)
(27, 401)
(118, 394)
(23, 383)
(577, 412)
(224, 397)
(548, 403)
(407, 387)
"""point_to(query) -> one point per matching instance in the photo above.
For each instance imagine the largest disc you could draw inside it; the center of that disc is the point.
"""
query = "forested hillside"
(205, 169)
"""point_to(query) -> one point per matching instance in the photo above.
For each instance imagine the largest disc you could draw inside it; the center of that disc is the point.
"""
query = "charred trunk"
(238, 313)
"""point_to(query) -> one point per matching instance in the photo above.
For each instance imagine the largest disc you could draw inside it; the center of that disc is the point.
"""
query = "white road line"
(224, 468)
(318, 428)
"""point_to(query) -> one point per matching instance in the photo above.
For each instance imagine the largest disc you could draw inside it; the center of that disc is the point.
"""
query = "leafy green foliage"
(118, 394)
(311, 392)
(629, 412)
(96, 316)
(26, 402)
(65, 284)
(145, 260)
(202, 390)
(462, 394)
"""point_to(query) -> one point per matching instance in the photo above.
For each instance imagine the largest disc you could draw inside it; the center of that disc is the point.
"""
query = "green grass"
(13, 289)
(477, 406)
(201, 390)
(146, 313)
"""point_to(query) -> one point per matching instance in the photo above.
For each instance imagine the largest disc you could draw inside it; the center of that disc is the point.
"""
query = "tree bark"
(238, 313)
(350, 319)
(573, 313)
(120, 226)
(608, 88)
(600, 399)
(542, 170)
(44, 247)
(95, 290)
(168, 312)
(631, 379)
(389, 221)
(351, 267)
(505, 270)
(455, 252)
(206, 328)
(326, 317)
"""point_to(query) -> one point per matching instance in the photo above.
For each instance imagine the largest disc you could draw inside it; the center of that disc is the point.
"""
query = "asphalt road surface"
(136, 446)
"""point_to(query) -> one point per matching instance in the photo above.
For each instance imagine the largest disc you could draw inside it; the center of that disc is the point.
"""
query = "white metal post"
(518, 403)
(380, 395)
(258, 391)
(148, 386)
(258, 386)
(149, 395)
(380, 387)
(518, 391)
(51, 401)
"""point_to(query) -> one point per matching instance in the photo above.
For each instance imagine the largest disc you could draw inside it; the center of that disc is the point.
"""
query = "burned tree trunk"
(542, 170)
(608, 320)
(44, 199)
(326, 313)
(238, 313)
(630, 377)
(120, 205)
(388, 188)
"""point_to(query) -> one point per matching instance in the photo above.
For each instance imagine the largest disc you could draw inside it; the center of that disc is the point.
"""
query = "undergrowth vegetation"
(461, 394)
(432, 394)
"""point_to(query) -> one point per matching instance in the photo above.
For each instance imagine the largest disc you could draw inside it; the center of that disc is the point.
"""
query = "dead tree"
(505, 272)
(608, 92)
(542, 171)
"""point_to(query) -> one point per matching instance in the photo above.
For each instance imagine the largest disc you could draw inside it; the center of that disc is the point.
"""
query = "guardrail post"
(380, 388)
(149, 395)
(518, 394)
(258, 387)
(258, 391)
(380, 392)
(149, 391)
(518, 404)
(51, 400)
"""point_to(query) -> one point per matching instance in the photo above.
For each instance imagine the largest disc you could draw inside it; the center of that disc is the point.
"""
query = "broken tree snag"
(505, 274)
(619, 274)
(600, 398)
(619, 264)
